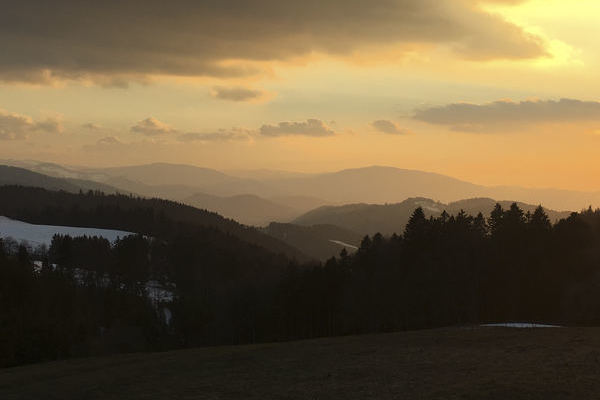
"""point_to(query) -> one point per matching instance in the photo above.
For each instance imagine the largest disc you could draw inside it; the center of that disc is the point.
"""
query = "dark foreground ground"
(455, 363)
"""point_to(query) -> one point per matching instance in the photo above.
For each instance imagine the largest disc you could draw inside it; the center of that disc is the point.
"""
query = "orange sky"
(470, 88)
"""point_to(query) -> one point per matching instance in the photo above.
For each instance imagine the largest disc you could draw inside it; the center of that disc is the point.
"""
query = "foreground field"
(454, 363)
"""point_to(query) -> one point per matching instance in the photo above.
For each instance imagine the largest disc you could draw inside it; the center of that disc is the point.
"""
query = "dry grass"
(454, 363)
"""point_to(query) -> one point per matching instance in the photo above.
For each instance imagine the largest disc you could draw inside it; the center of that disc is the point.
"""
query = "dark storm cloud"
(491, 116)
(312, 127)
(113, 41)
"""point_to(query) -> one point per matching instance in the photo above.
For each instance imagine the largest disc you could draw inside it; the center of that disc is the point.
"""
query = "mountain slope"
(40, 206)
(23, 177)
(377, 185)
(37, 235)
(171, 174)
(319, 241)
(389, 185)
(391, 218)
(374, 184)
(247, 209)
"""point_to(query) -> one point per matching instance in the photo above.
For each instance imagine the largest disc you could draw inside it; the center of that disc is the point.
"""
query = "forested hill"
(20, 176)
(154, 217)
(391, 218)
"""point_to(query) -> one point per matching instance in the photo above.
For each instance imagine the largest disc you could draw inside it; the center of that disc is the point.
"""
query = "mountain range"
(23, 177)
(375, 185)
(290, 208)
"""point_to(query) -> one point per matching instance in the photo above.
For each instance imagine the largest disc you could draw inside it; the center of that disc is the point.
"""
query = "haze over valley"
(283, 204)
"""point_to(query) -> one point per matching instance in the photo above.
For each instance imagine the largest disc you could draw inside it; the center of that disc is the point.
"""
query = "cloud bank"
(152, 127)
(466, 117)
(389, 127)
(220, 135)
(112, 42)
(312, 127)
(238, 94)
(15, 126)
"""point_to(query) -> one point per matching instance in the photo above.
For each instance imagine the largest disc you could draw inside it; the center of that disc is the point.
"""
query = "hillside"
(452, 363)
(319, 241)
(377, 185)
(126, 213)
(247, 209)
(23, 177)
(374, 184)
(391, 218)
(162, 174)
(37, 235)
(181, 183)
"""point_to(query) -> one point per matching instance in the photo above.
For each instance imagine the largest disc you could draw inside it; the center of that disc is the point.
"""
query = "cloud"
(236, 94)
(466, 117)
(50, 125)
(112, 144)
(109, 140)
(388, 127)
(312, 127)
(220, 135)
(15, 126)
(113, 42)
(92, 126)
(152, 127)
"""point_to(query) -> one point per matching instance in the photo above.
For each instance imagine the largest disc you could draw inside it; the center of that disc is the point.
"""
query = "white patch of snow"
(520, 325)
(426, 206)
(340, 243)
(37, 266)
(167, 316)
(37, 235)
(160, 293)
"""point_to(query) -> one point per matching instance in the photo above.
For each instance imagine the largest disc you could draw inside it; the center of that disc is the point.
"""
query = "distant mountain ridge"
(183, 183)
(391, 218)
(24, 177)
(375, 184)
(245, 208)
(315, 230)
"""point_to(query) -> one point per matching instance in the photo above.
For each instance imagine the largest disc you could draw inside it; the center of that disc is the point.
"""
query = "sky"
(496, 92)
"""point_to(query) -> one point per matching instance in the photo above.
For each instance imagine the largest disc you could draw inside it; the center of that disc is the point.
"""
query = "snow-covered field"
(521, 325)
(37, 235)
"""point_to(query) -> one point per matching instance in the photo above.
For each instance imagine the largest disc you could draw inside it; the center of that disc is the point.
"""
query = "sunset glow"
(82, 111)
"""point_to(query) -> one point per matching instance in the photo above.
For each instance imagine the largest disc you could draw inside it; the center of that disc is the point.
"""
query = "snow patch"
(159, 292)
(426, 206)
(37, 235)
(339, 242)
(520, 325)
